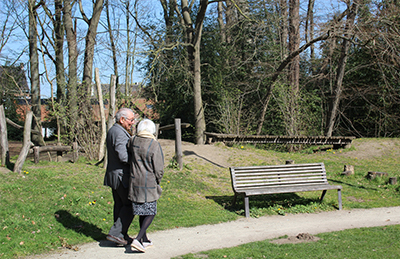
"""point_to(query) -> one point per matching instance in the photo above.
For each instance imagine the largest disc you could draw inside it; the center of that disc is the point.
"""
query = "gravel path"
(180, 241)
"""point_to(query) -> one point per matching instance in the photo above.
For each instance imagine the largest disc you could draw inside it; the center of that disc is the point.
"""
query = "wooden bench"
(274, 179)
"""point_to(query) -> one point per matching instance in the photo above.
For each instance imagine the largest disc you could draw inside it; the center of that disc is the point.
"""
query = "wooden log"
(172, 126)
(37, 149)
(54, 148)
(178, 143)
(26, 144)
(5, 155)
(15, 125)
(373, 175)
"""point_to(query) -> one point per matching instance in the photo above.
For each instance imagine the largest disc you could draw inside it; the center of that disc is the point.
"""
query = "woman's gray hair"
(147, 125)
(123, 112)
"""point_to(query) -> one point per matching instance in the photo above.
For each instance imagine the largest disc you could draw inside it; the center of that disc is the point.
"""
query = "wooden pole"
(5, 155)
(75, 154)
(59, 153)
(102, 116)
(157, 129)
(36, 154)
(178, 143)
(27, 143)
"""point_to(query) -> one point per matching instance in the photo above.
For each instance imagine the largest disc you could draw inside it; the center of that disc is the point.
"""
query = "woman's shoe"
(147, 244)
(138, 246)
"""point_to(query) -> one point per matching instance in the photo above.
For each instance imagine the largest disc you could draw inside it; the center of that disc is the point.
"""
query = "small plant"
(173, 163)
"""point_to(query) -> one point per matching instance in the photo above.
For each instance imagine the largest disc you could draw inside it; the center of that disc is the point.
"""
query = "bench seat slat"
(272, 183)
(282, 171)
(283, 189)
(279, 178)
(289, 189)
(285, 174)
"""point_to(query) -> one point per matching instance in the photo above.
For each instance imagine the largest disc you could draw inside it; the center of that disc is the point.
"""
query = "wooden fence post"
(75, 152)
(5, 155)
(36, 154)
(178, 143)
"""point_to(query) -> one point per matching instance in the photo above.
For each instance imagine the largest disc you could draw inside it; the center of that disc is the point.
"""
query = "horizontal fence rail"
(337, 141)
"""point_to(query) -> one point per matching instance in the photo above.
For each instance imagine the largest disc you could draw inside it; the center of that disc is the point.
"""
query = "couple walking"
(134, 170)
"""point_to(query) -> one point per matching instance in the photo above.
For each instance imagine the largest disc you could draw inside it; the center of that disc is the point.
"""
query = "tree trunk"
(59, 51)
(26, 144)
(198, 102)
(283, 8)
(309, 28)
(221, 23)
(102, 116)
(72, 67)
(112, 42)
(111, 112)
(128, 46)
(5, 155)
(341, 68)
(193, 37)
(294, 67)
(34, 73)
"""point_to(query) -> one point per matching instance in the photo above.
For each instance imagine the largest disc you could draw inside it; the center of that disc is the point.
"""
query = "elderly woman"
(147, 169)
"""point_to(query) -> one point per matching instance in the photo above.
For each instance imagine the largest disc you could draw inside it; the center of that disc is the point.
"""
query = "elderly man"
(118, 174)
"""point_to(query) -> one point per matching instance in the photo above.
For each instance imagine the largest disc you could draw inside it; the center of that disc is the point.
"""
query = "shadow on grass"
(352, 185)
(190, 153)
(284, 200)
(80, 226)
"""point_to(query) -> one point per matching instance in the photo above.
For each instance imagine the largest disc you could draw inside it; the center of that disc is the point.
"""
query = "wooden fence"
(37, 149)
(337, 142)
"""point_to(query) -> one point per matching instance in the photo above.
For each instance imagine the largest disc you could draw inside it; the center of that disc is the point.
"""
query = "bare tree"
(341, 66)
(309, 26)
(193, 32)
(112, 41)
(90, 40)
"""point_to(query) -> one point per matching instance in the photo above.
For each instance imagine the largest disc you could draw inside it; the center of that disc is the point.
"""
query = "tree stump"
(373, 175)
(393, 180)
(348, 170)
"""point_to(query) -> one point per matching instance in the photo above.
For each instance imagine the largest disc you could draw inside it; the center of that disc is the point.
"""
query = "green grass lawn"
(52, 205)
(376, 242)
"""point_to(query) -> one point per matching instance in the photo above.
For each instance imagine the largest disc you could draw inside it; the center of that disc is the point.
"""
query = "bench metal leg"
(246, 206)
(234, 199)
(322, 196)
(340, 198)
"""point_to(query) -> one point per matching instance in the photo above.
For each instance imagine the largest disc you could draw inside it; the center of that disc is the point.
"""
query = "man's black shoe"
(118, 240)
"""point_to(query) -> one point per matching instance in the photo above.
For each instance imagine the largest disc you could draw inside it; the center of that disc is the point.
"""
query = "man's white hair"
(123, 112)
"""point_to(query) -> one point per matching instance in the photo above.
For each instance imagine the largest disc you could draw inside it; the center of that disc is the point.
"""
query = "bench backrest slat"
(278, 176)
